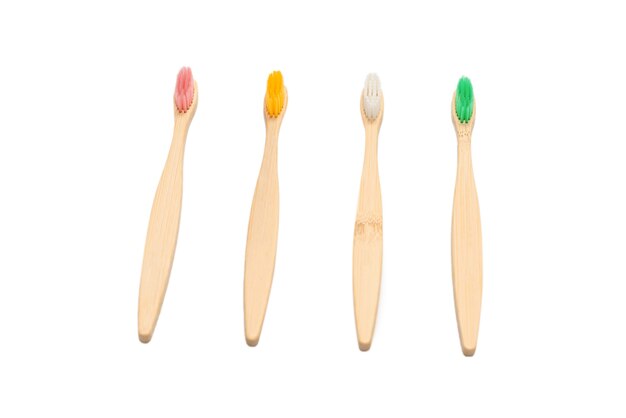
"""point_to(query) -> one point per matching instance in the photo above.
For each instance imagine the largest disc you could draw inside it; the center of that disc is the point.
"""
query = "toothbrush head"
(275, 95)
(184, 94)
(464, 100)
(372, 97)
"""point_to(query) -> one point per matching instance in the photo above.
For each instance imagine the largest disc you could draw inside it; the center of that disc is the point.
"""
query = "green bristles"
(464, 100)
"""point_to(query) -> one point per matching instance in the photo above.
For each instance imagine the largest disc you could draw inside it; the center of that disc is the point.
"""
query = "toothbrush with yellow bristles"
(467, 253)
(165, 215)
(263, 225)
(367, 257)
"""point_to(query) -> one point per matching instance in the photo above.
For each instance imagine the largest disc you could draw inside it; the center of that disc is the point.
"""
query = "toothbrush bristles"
(183, 95)
(371, 96)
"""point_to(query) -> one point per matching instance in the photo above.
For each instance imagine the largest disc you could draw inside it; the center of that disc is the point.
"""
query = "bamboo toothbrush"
(467, 258)
(165, 214)
(367, 257)
(263, 225)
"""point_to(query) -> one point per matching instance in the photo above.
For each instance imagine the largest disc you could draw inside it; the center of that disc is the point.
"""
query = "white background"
(85, 126)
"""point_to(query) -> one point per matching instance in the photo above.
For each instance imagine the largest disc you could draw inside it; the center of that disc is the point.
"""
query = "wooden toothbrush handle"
(161, 240)
(467, 260)
(367, 256)
(261, 245)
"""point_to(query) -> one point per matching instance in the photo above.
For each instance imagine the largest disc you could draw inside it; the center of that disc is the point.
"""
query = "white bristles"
(371, 96)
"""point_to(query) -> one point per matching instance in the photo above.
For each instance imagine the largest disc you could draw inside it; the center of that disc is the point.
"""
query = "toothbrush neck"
(371, 141)
(464, 145)
(271, 136)
(181, 127)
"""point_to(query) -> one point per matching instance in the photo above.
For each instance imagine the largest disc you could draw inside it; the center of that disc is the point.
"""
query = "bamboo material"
(467, 261)
(163, 227)
(262, 234)
(367, 254)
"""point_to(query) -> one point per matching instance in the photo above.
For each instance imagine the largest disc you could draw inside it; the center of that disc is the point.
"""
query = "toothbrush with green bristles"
(467, 253)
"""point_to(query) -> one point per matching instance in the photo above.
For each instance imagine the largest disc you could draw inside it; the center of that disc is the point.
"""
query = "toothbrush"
(165, 214)
(263, 225)
(467, 258)
(367, 254)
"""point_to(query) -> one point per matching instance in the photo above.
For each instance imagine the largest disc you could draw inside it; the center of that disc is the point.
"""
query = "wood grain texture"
(367, 256)
(467, 260)
(262, 234)
(163, 228)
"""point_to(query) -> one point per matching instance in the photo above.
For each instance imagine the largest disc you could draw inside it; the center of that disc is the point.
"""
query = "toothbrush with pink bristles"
(165, 215)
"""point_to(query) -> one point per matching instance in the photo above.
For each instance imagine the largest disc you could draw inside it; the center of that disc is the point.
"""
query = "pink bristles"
(183, 96)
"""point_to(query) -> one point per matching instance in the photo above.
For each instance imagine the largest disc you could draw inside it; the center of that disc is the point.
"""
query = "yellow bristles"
(275, 94)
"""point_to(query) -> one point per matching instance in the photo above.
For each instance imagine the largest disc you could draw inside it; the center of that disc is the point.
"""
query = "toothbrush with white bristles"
(367, 255)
